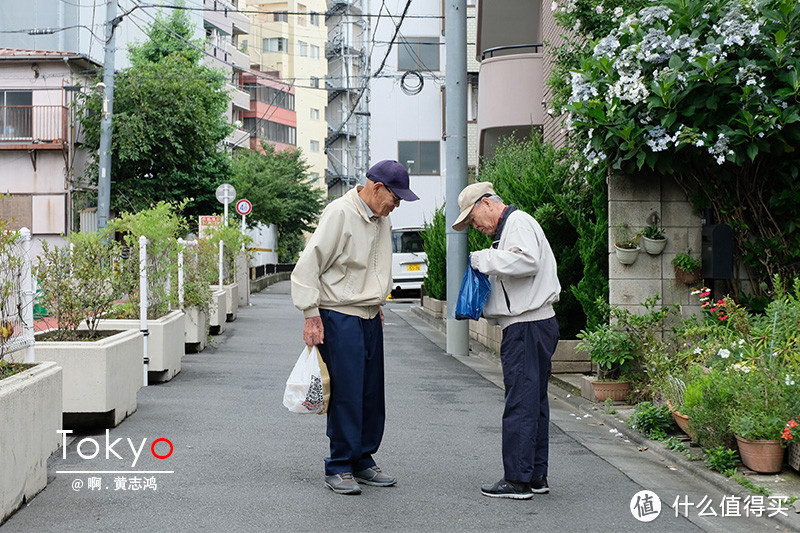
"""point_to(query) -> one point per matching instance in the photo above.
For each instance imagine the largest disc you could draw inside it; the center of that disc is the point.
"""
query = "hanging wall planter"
(626, 256)
(654, 246)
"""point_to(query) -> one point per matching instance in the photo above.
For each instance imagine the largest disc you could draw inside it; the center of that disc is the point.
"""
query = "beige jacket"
(347, 264)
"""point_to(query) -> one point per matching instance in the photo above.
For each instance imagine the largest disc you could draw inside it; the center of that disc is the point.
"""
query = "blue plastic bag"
(474, 293)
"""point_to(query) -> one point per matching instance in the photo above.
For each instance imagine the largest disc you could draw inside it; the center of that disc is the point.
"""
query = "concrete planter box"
(433, 306)
(165, 346)
(217, 311)
(100, 377)
(231, 301)
(30, 416)
(196, 329)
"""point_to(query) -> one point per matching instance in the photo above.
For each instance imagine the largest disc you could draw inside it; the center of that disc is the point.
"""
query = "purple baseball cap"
(394, 176)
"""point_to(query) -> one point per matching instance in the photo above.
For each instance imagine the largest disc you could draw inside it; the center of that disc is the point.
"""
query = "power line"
(281, 12)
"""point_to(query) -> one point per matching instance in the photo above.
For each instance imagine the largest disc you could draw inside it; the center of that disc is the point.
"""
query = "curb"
(565, 391)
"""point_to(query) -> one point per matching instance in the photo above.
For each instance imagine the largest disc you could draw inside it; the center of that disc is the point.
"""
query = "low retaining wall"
(565, 360)
(258, 285)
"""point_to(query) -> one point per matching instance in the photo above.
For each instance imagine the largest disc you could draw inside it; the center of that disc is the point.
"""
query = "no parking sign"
(243, 207)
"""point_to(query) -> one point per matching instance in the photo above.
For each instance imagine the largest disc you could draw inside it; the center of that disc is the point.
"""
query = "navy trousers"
(526, 352)
(353, 352)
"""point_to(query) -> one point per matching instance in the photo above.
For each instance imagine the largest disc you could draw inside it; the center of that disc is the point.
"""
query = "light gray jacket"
(522, 270)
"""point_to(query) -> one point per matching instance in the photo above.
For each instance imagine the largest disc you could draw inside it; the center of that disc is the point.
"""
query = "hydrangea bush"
(708, 91)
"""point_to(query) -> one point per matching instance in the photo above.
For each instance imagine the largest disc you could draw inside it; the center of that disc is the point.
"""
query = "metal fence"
(16, 298)
(33, 123)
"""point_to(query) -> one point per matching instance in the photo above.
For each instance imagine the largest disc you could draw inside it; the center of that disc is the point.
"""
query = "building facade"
(288, 38)
(40, 155)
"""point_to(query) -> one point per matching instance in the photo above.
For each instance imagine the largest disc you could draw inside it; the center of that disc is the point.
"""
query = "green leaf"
(752, 151)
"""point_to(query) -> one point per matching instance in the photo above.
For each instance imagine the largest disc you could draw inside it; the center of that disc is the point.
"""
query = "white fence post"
(221, 248)
(181, 244)
(27, 295)
(143, 299)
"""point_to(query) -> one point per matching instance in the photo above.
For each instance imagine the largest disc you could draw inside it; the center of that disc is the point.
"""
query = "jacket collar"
(502, 224)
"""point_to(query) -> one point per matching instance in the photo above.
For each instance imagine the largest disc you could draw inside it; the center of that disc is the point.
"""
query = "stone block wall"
(631, 200)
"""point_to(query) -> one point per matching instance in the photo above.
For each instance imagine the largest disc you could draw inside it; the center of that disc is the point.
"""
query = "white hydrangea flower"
(724, 353)
(599, 9)
(618, 12)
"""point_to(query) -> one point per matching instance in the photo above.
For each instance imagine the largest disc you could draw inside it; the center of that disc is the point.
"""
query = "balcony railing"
(491, 51)
(33, 124)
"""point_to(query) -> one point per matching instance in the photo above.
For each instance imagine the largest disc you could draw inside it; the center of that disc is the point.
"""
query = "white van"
(408, 259)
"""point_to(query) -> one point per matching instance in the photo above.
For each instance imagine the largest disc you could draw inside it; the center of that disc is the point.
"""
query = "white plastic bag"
(308, 387)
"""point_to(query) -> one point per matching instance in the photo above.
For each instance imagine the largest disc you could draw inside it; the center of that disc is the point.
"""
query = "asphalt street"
(241, 462)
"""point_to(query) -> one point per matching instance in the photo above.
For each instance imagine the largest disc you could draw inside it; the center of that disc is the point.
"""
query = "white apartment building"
(406, 101)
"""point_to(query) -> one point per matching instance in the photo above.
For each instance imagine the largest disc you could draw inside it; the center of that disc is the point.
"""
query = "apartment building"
(406, 102)
(288, 38)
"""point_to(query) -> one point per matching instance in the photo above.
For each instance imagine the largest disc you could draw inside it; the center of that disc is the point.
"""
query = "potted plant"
(654, 239)
(30, 394)
(102, 369)
(234, 241)
(613, 352)
(626, 245)
(165, 321)
(687, 268)
(197, 299)
(790, 434)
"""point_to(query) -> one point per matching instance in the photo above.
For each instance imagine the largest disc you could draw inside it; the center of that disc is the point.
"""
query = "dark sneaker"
(539, 485)
(373, 476)
(508, 489)
(343, 483)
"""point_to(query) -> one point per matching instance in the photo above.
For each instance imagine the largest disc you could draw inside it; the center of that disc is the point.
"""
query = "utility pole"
(104, 180)
(456, 158)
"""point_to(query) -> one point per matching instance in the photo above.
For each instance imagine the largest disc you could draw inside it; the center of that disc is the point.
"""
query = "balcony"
(33, 127)
(240, 99)
(510, 93)
(241, 23)
(217, 14)
(240, 60)
(238, 139)
(217, 57)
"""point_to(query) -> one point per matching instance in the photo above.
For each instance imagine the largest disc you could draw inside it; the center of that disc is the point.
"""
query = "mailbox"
(717, 251)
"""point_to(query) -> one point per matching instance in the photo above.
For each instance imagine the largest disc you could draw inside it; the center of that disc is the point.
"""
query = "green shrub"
(722, 459)
(653, 421)
(434, 239)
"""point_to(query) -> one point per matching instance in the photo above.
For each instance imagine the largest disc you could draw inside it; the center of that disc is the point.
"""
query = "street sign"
(226, 193)
(243, 207)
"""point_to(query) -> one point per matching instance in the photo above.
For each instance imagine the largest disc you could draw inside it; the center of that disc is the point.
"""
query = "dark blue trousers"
(353, 352)
(526, 352)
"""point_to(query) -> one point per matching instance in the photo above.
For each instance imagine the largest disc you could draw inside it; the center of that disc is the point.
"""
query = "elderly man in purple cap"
(340, 282)
(522, 271)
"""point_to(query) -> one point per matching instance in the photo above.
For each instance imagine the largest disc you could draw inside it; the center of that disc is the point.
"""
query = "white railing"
(16, 298)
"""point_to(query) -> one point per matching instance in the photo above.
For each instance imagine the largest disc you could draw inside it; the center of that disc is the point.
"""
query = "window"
(314, 114)
(419, 157)
(243, 46)
(270, 96)
(314, 145)
(271, 131)
(407, 242)
(280, 16)
(314, 177)
(418, 53)
(314, 51)
(302, 48)
(314, 82)
(275, 44)
(16, 114)
(301, 19)
(314, 19)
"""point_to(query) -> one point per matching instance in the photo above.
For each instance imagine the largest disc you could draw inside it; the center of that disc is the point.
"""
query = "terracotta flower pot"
(616, 390)
(762, 456)
(687, 278)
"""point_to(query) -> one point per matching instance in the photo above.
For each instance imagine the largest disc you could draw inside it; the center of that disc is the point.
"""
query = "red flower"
(723, 317)
(792, 423)
(787, 434)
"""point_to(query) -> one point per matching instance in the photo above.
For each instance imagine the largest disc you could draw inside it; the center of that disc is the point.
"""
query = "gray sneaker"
(342, 483)
(373, 476)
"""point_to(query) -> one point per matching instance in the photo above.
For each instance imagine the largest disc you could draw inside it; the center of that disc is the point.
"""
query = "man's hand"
(313, 331)
(382, 319)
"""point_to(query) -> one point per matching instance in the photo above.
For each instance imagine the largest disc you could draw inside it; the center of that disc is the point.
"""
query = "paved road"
(243, 463)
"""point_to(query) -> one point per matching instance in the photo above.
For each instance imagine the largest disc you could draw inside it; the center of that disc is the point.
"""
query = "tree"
(708, 92)
(278, 186)
(168, 123)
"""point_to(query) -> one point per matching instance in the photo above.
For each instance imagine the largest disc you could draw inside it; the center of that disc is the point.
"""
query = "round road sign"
(226, 193)
(243, 207)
